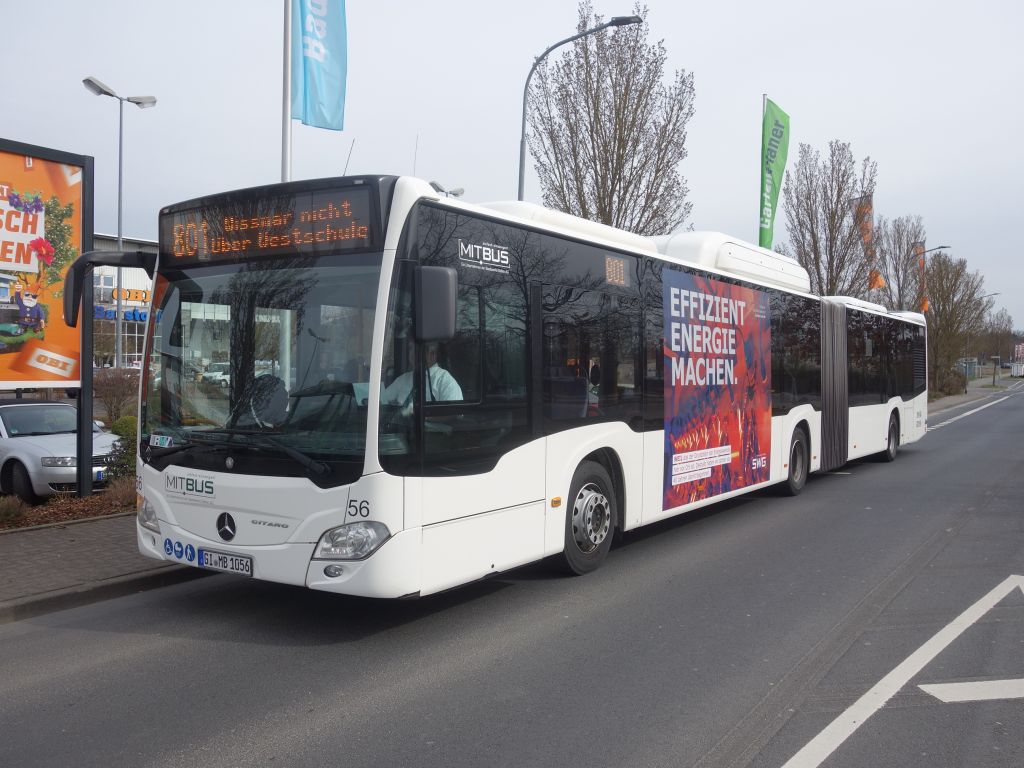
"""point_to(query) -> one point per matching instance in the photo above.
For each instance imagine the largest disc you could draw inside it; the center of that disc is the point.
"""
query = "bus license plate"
(221, 561)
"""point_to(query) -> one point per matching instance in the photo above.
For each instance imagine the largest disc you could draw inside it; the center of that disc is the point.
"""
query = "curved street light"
(615, 21)
(142, 102)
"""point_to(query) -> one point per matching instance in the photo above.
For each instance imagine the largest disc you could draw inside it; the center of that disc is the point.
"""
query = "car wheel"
(590, 519)
(21, 485)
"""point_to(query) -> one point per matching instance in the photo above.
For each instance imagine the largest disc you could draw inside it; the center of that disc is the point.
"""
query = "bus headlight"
(351, 542)
(146, 514)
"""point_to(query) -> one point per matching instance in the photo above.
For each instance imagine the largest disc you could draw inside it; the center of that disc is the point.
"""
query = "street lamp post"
(615, 21)
(936, 248)
(142, 102)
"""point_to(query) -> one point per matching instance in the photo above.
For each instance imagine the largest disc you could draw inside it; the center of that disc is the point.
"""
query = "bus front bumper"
(393, 570)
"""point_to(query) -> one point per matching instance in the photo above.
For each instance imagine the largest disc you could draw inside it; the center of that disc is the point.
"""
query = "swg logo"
(484, 256)
(759, 462)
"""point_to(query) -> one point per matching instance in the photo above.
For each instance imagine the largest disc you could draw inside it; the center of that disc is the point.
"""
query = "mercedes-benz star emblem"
(226, 526)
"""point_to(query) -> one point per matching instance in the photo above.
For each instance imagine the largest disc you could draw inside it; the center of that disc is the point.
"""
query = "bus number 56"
(358, 508)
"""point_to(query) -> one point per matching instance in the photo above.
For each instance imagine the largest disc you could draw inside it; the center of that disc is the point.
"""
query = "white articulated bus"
(420, 392)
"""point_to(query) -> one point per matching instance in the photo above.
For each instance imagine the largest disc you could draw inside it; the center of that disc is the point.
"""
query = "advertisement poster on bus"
(45, 218)
(718, 402)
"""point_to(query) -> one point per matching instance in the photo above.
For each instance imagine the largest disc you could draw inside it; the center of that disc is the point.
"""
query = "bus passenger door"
(483, 473)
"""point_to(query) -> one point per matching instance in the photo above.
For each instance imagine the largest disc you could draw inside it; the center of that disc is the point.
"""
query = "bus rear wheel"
(591, 517)
(892, 446)
(798, 463)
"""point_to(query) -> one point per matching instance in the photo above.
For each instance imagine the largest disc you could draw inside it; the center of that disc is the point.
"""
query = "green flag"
(774, 148)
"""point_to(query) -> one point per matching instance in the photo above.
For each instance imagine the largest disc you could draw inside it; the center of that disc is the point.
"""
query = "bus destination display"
(310, 223)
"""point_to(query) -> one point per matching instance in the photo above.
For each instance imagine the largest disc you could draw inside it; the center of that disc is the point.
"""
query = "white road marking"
(982, 690)
(839, 730)
(968, 413)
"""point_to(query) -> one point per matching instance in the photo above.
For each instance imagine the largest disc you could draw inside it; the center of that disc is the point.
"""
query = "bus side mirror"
(74, 280)
(436, 289)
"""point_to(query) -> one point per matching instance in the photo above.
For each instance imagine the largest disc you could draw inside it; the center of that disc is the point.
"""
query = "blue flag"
(319, 63)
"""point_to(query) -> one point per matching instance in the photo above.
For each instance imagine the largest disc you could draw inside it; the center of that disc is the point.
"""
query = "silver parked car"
(37, 449)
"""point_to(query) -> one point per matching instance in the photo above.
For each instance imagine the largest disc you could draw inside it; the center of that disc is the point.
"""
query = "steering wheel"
(268, 403)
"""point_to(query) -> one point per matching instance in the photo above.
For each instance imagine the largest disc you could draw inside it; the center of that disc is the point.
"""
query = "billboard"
(45, 223)
(718, 400)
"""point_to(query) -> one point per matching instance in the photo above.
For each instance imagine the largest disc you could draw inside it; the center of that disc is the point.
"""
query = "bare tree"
(956, 311)
(895, 260)
(824, 230)
(608, 135)
(996, 339)
(117, 391)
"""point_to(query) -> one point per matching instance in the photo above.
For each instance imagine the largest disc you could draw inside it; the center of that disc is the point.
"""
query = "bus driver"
(441, 385)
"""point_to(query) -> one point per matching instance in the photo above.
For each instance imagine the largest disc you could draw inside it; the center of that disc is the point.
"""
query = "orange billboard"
(45, 223)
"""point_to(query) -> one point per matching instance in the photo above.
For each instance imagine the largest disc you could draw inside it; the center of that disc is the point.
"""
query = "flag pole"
(286, 99)
(764, 111)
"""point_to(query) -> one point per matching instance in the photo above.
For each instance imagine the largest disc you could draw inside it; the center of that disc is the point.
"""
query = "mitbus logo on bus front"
(190, 485)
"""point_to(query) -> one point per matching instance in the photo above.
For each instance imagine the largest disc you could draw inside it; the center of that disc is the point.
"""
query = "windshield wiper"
(308, 462)
(314, 465)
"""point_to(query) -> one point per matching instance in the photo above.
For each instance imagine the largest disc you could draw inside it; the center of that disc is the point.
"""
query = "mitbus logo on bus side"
(489, 256)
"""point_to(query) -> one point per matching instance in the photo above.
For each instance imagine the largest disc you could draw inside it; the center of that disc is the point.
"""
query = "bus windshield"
(269, 358)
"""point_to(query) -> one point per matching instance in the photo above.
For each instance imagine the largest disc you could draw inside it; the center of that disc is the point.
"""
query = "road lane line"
(981, 690)
(839, 730)
(968, 413)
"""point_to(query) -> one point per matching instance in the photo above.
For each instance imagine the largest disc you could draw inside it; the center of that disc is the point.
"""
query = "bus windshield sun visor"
(75, 279)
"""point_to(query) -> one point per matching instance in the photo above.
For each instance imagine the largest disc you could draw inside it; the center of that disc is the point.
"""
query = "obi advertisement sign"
(44, 195)
(718, 402)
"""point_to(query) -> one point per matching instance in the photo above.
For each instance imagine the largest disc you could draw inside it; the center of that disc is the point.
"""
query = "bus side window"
(591, 351)
(487, 357)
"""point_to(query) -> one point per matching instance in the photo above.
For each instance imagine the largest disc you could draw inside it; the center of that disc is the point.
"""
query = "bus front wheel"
(590, 519)
(798, 463)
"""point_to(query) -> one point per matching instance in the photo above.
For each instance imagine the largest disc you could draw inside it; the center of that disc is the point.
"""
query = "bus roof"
(706, 250)
(715, 250)
(566, 222)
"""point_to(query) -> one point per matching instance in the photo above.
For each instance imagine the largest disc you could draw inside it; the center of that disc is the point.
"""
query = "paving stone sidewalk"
(55, 567)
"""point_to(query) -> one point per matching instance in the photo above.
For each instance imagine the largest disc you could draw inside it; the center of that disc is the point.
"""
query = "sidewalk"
(61, 566)
(976, 389)
(55, 567)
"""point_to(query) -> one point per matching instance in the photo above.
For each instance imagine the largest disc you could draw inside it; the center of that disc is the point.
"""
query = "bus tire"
(591, 517)
(892, 446)
(798, 463)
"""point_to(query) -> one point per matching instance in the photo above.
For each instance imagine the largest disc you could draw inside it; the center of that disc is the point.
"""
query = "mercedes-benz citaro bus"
(416, 392)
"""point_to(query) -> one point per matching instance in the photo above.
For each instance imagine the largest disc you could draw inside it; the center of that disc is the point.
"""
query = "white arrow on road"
(817, 750)
(983, 690)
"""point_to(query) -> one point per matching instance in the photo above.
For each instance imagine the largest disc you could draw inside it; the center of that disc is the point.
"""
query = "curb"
(968, 400)
(96, 591)
(65, 523)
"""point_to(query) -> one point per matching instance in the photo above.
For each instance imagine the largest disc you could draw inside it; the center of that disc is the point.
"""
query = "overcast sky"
(931, 91)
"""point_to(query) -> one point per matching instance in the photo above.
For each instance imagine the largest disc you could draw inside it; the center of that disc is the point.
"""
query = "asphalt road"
(731, 637)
